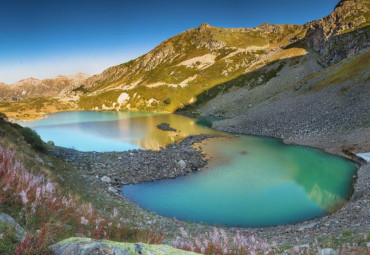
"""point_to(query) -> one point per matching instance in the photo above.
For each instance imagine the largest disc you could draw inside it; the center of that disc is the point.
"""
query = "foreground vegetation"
(50, 215)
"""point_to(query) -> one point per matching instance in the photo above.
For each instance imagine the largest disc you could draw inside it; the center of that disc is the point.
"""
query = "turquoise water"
(249, 181)
(113, 131)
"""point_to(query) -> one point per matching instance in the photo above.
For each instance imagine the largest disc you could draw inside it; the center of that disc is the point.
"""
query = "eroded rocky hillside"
(191, 71)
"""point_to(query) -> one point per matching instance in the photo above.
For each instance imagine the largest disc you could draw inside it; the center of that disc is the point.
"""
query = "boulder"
(40, 160)
(327, 251)
(50, 143)
(165, 127)
(181, 163)
(87, 246)
(7, 221)
(105, 179)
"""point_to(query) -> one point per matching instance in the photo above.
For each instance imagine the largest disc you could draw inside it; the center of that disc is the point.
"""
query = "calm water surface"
(249, 181)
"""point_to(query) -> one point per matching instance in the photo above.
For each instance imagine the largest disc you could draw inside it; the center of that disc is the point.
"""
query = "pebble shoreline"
(354, 216)
(135, 166)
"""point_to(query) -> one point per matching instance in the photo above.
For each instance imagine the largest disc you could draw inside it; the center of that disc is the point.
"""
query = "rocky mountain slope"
(192, 71)
(31, 87)
(202, 62)
(340, 34)
(171, 75)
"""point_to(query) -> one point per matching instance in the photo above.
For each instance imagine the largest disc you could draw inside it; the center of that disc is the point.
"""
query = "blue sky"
(44, 38)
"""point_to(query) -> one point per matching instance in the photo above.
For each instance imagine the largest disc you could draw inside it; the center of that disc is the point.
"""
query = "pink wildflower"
(84, 221)
(24, 197)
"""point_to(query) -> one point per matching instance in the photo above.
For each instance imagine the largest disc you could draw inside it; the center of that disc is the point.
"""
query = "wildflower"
(84, 221)
(98, 221)
(183, 233)
(49, 187)
(38, 193)
(24, 197)
(115, 213)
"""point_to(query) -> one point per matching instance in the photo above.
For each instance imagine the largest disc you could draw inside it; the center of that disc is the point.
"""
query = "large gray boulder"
(87, 246)
(6, 221)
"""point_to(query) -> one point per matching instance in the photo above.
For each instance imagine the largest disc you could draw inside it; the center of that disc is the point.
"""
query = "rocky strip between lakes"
(116, 169)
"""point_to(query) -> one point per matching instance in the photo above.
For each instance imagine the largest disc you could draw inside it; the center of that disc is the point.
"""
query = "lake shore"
(117, 169)
(352, 218)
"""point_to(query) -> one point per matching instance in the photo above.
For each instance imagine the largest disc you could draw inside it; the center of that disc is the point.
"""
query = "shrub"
(3, 117)
(80, 89)
(33, 138)
(167, 101)
(50, 216)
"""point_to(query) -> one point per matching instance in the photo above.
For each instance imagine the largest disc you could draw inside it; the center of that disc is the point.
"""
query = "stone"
(327, 251)
(87, 246)
(113, 190)
(105, 179)
(7, 221)
(296, 250)
(165, 127)
(50, 143)
(40, 160)
(181, 163)
(365, 156)
(310, 225)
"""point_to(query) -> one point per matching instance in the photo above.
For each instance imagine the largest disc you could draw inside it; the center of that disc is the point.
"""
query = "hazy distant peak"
(77, 76)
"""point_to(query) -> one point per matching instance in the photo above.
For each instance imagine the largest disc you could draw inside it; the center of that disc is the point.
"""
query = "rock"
(327, 251)
(298, 249)
(310, 225)
(181, 163)
(105, 179)
(50, 143)
(365, 156)
(113, 190)
(165, 127)
(7, 221)
(87, 246)
(40, 160)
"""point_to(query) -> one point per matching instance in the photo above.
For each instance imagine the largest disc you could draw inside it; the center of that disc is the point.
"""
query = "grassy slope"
(184, 46)
(32, 108)
(58, 223)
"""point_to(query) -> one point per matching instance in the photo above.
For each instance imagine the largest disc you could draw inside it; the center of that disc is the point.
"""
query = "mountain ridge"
(195, 66)
(33, 87)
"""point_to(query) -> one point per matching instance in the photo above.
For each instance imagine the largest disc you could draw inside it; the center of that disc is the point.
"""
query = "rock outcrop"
(342, 33)
(87, 246)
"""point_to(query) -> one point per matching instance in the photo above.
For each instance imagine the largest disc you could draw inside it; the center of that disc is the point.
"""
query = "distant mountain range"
(31, 87)
(189, 71)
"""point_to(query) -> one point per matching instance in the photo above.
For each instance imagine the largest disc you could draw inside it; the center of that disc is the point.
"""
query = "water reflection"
(268, 184)
(121, 130)
(249, 181)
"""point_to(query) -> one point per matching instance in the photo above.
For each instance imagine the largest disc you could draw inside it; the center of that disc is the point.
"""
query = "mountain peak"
(204, 26)
(343, 2)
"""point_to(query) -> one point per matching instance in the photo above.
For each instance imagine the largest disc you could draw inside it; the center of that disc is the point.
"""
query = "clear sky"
(44, 38)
